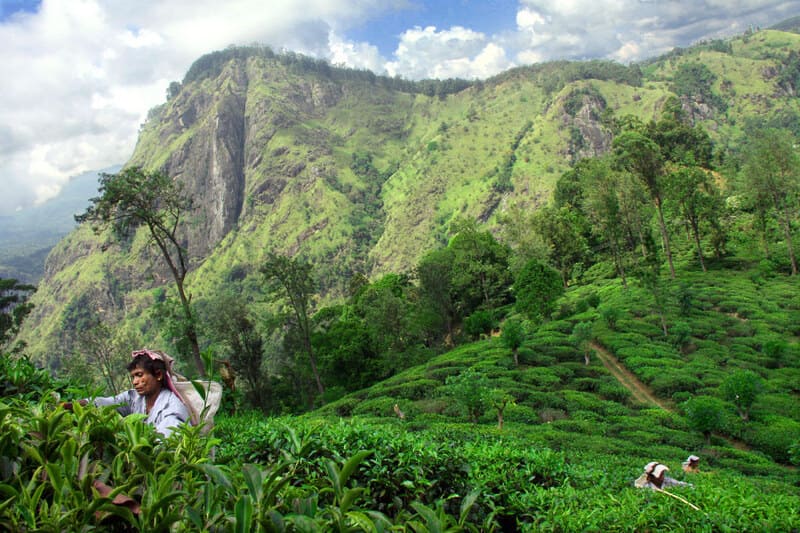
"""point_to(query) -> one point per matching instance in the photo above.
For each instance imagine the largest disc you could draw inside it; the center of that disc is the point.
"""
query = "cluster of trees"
(664, 171)
(555, 75)
(706, 414)
(457, 292)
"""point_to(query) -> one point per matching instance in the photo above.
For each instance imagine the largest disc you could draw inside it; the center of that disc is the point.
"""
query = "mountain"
(26, 237)
(790, 24)
(363, 174)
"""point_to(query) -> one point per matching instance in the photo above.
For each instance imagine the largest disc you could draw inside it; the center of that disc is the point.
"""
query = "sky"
(80, 75)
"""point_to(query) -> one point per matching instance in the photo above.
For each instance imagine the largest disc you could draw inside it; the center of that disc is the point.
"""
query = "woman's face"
(145, 383)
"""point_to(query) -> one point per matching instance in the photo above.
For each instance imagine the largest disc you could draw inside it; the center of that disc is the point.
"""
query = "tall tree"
(135, 197)
(742, 388)
(648, 272)
(343, 347)
(771, 175)
(642, 157)
(512, 336)
(698, 200)
(470, 389)
(603, 207)
(581, 337)
(705, 414)
(234, 325)
(291, 278)
(480, 275)
(636, 212)
(515, 230)
(678, 140)
(388, 314)
(563, 230)
(434, 274)
(97, 343)
(537, 287)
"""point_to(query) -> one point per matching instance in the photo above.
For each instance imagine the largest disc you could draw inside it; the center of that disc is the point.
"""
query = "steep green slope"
(362, 174)
(730, 323)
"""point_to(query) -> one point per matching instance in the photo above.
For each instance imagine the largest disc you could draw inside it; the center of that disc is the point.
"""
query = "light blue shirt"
(168, 411)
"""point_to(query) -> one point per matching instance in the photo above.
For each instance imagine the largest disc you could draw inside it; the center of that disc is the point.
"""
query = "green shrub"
(681, 396)
(540, 377)
(577, 401)
(539, 400)
(794, 452)
(586, 384)
(775, 436)
(382, 406)
(414, 389)
(544, 339)
(680, 334)
(522, 414)
(614, 392)
(344, 407)
(611, 316)
(667, 383)
(432, 405)
(531, 357)
(479, 323)
(565, 371)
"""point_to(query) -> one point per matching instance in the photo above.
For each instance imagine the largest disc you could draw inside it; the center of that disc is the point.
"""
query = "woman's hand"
(68, 405)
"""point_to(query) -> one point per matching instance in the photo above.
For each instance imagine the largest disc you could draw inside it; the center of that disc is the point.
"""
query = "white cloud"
(80, 75)
(355, 55)
(527, 19)
(628, 30)
(457, 52)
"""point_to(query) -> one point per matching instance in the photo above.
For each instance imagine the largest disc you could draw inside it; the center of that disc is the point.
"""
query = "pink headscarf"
(160, 356)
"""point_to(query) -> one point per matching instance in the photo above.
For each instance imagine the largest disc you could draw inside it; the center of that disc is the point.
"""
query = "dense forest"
(515, 376)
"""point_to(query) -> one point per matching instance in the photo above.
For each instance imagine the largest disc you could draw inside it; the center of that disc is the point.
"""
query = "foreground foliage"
(324, 474)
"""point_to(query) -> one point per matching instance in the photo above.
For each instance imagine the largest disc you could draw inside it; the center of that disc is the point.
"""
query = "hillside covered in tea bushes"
(478, 306)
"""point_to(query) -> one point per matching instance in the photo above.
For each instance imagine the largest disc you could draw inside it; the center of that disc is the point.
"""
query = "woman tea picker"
(153, 393)
(655, 477)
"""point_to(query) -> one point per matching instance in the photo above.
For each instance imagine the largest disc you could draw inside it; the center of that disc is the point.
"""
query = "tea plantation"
(472, 440)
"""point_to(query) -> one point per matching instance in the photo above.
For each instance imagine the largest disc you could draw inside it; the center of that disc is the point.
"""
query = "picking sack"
(201, 398)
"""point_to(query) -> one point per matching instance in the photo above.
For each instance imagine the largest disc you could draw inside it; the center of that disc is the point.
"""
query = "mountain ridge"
(362, 179)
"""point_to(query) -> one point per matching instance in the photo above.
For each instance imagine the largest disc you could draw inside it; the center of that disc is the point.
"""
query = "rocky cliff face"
(210, 159)
(217, 138)
(589, 136)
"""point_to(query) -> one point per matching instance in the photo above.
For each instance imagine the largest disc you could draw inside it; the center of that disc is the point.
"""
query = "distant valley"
(28, 236)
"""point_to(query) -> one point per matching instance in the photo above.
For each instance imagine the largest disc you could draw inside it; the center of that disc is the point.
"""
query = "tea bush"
(775, 435)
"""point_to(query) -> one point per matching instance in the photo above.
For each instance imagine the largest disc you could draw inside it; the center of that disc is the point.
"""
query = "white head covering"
(655, 468)
(659, 469)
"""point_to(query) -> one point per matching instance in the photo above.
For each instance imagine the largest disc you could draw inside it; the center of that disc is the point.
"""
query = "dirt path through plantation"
(641, 393)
